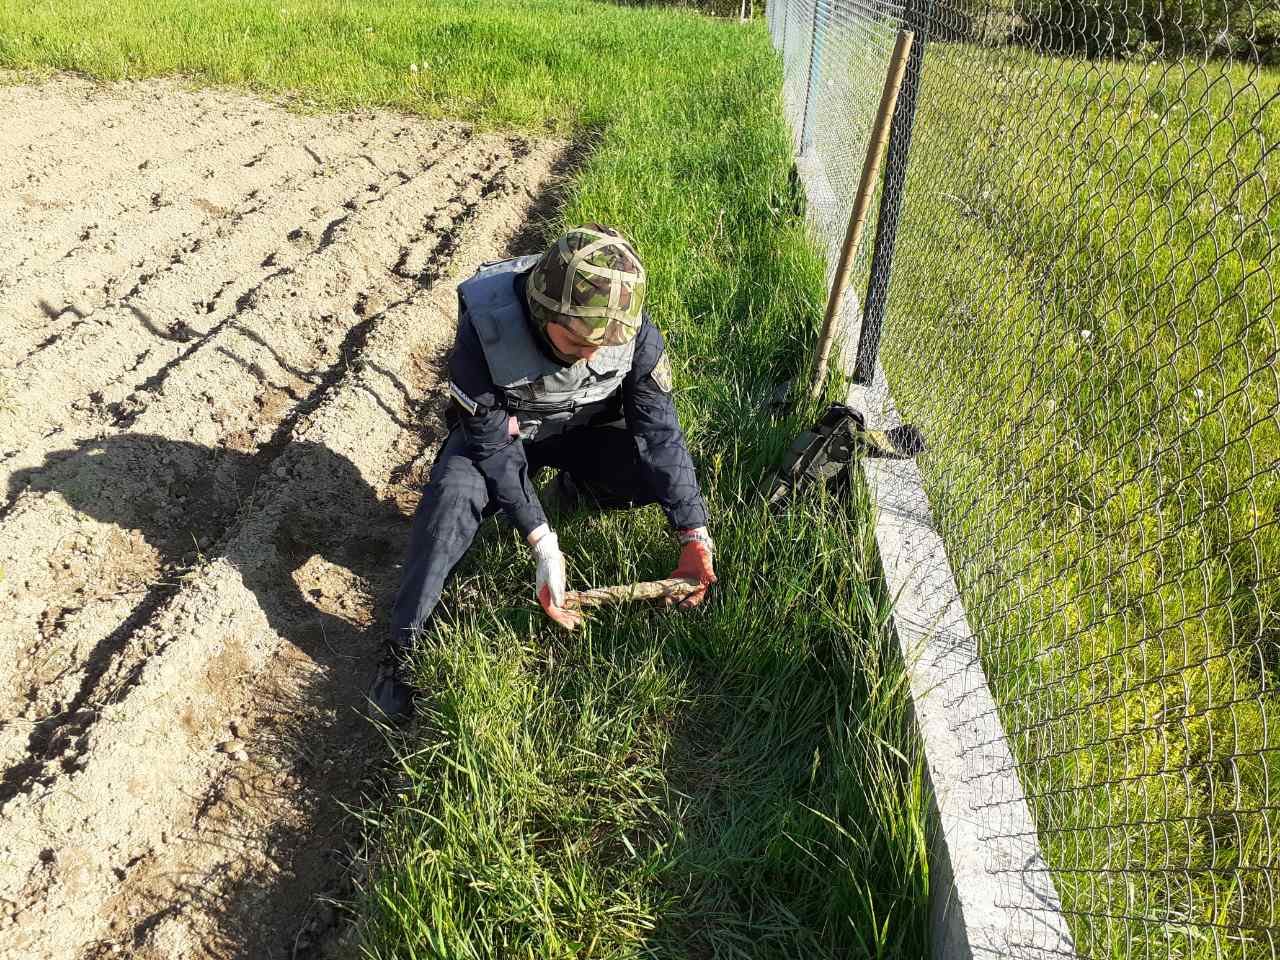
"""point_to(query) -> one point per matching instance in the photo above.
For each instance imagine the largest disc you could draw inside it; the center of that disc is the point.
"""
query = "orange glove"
(695, 564)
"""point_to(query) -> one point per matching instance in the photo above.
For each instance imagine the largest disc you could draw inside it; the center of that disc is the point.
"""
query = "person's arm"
(664, 457)
(486, 427)
(495, 448)
(651, 417)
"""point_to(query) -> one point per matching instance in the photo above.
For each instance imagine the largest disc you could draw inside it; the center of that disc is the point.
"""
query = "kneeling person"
(556, 364)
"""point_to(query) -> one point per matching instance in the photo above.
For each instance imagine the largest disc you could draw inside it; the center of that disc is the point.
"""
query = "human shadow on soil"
(323, 574)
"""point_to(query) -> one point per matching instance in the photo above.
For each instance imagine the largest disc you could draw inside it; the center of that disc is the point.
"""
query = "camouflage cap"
(592, 282)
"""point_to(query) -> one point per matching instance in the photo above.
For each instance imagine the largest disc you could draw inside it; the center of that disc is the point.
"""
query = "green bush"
(1266, 36)
(1106, 28)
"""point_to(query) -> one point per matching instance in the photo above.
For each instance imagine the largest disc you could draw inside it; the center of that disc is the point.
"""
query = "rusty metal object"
(677, 588)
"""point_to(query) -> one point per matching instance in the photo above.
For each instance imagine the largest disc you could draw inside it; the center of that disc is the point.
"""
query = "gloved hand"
(695, 564)
(550, 578)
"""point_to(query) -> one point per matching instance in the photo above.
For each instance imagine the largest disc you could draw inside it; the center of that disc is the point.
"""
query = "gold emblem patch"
(661, 373)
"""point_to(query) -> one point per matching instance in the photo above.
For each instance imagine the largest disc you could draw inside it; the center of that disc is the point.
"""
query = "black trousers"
(602, 460)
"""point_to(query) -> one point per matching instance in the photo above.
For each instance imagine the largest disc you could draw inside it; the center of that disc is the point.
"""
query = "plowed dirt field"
(221, 328)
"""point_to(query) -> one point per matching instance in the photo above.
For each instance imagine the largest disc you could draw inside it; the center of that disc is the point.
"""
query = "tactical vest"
(545, 397)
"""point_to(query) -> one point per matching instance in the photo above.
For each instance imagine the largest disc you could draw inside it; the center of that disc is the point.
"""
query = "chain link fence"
(1081, 216)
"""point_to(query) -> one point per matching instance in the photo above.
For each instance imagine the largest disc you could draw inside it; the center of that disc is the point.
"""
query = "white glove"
(551, 578)
(550, 567)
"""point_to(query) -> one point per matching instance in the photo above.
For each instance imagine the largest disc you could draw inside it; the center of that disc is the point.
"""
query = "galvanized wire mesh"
(835, 56)
(1082, 319)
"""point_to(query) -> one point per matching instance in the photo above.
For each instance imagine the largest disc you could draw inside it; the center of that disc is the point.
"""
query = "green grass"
(1083, 318)
(740, 782)
(663, 786)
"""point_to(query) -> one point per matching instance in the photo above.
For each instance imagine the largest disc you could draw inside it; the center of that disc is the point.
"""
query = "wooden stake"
(861, 203)
(677, 588)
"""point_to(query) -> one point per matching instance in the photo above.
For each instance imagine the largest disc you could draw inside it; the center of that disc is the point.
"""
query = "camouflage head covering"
(592, 282)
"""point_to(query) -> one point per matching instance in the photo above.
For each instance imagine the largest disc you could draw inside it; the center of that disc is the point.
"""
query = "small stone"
(240, 756)
(232, 746)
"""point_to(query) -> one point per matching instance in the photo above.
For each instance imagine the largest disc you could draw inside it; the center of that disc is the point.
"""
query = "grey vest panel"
(518, 365)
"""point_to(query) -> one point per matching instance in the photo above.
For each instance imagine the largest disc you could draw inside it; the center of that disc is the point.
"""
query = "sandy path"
(275, 333)
(200, 523)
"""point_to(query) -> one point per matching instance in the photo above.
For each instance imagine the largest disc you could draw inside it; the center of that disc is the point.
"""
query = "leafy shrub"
(1106, 28)
(1266, 36)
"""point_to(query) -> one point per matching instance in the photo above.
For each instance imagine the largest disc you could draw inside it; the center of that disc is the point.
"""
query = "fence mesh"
(1082, 319)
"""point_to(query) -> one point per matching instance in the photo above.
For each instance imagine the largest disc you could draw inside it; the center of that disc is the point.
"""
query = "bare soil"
(222, 324)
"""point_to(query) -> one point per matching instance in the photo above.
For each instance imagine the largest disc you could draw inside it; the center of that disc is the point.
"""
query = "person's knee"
(455, 468)
(456, 484)
(458, 495)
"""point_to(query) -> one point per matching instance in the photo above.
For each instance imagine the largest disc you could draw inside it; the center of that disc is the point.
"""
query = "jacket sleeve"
(651, 417)
(484, 424)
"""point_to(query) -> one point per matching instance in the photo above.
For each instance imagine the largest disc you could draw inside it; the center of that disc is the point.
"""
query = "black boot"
(391, 693)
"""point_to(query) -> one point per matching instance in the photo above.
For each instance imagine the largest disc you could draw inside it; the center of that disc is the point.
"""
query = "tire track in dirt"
(277, 332)
(69, 389)
(304, 138)
(38, 324)
(81, 256)
(150, 839)
(141, 132)
(39, 252)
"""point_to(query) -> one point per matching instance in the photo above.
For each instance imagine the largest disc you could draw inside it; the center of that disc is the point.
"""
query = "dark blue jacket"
(648, 412)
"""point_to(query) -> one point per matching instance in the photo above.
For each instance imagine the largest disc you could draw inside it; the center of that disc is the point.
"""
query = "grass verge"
(739, 782)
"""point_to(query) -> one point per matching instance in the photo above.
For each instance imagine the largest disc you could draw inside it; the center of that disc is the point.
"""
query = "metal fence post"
(815, 64)
(916, 17)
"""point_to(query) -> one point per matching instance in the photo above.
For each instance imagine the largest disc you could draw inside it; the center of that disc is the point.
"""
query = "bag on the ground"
(823, 454)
